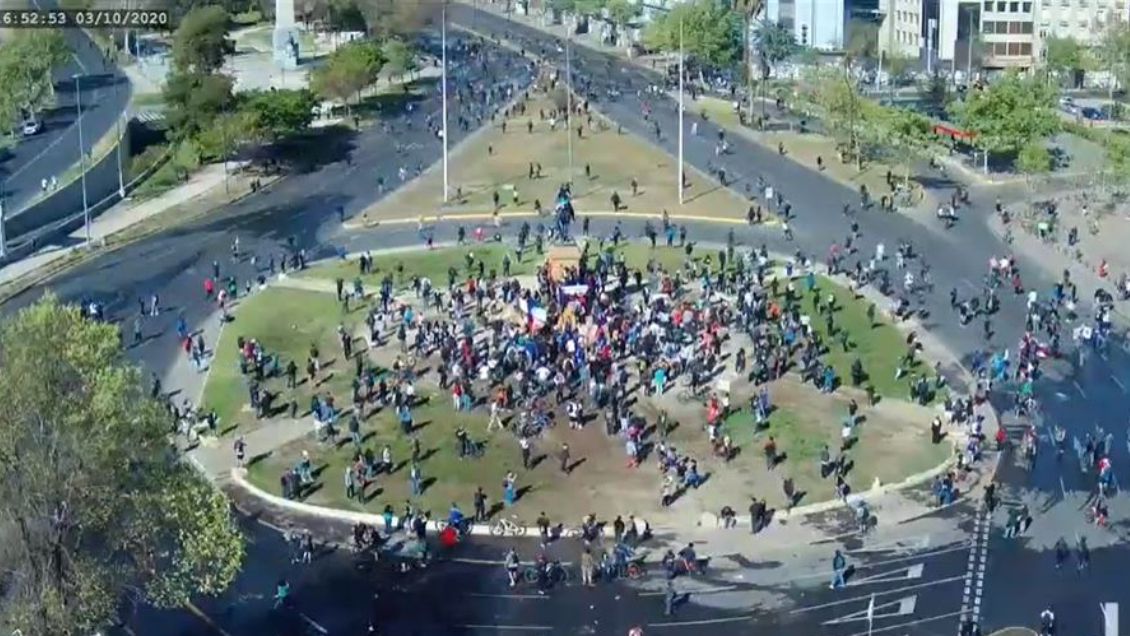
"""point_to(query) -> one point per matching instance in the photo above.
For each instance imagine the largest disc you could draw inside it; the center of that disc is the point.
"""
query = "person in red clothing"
(448, 537)
(209, 287)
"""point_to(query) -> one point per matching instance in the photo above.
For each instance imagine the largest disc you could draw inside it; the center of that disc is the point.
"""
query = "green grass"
(432, 264)
(147, 99)
(878, 346)
(285, 322)
(453, 480)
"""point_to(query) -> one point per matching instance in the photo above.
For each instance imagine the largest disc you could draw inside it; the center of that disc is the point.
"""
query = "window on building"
(1014, 28)
(1001, 6)
(1025, 48)
(1063, 24)
(1026, 6)
(1014, 7)
(988, 6)
(1000, 48)
(1014, 48)
(1026, 28)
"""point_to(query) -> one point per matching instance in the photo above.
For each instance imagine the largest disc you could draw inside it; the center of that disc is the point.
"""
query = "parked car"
(30, 127)
(1092, 113)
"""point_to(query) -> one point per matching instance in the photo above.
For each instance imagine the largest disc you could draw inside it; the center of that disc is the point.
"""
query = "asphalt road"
(104, 96)
(302, 206)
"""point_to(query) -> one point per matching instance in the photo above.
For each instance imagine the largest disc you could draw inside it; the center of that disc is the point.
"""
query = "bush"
(142, 162)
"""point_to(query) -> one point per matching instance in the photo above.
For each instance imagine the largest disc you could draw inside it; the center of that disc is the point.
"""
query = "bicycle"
(556, 573)
(508, 527)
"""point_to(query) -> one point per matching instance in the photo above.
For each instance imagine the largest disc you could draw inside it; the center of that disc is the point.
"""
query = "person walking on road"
(839, 567)
(587, 568)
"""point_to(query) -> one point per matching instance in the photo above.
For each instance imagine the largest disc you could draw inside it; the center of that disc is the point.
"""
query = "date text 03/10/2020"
(156, 19)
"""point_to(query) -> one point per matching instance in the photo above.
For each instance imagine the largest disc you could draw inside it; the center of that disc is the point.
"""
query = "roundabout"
(918, 570)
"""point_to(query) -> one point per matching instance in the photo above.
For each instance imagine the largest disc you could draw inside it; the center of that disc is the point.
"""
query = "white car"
(31, 127)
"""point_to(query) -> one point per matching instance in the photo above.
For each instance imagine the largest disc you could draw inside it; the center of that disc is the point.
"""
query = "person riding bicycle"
(1100, 511)
(282, 593)
(512, 564)
(1047, 622)
(456, 519)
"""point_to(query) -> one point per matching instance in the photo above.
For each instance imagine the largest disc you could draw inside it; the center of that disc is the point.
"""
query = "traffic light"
(804, 35)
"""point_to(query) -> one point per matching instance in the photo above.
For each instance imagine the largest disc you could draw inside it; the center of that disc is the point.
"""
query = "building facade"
(821, 24)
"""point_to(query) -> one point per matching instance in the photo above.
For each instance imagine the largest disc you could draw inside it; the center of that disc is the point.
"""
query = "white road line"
(964, 545)
(512, 628)
(1079, 389)
(312, 623)
(708, 621)
(1121, 386)
(900, 626)
(902, 574)
(1062, 487)
(522, 597)
(705, 590)
(865, 597)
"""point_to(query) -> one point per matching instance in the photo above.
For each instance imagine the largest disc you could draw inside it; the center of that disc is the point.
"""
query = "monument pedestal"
(284, 42)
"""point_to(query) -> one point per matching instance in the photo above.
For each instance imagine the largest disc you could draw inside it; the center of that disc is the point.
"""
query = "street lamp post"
(443, 91)
(82, 158)
(569, 99)
(682, 111)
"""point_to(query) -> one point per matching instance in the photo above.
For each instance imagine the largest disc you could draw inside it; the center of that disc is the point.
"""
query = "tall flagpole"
(443, 91)
(682, 112)
(569, 100)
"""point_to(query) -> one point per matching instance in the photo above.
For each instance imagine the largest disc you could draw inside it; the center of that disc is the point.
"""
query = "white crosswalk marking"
(1110, 618)
(901, 607)
(146, 116)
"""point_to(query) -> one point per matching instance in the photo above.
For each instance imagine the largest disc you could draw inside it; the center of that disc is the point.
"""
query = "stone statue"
(285, 38)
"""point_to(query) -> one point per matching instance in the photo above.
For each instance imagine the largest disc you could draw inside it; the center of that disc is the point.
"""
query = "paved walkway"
(116, 219)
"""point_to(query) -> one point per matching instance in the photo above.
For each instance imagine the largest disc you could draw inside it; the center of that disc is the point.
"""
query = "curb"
(484, 216)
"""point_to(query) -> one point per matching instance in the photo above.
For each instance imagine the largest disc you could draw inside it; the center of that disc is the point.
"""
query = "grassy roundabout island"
(407, 449)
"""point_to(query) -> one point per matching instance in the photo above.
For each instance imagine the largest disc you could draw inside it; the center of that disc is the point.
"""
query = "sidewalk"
(106, 228)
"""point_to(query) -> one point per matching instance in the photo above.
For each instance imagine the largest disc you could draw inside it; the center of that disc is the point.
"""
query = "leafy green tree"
(274, 114)
(27, 60)
(711, 32)
(622, 13)
(400, 58)
(348, 71)
(193, 100)
(1034, 159)
(392, 18)
(905, 134)
(227, 133)
(862, 41)
(93, 508)
(1063, 56)
(201, 42)
(588, 7)
(775, 44)
(1113, 55)
(897, 67)
(936, 95)
(345, 15)
(1009, 114)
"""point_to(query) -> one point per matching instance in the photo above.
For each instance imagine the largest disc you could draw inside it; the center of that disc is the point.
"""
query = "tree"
(1063, 56)
(862, 40)
(936, 95)
(905, 133)
(274, 114)
(1008, 114)
(711, 32)
(622, 13)
(390, 18)
(224, 136)
(775, 44)
(347, 72)
(201, 42)
(897, 66)
(1034, 159)
(94, 509)
(27, 60)
(400, 59)
(1113, 55)
(193, 100)
(345, 15)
